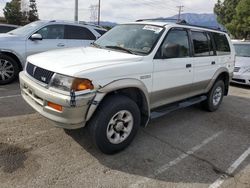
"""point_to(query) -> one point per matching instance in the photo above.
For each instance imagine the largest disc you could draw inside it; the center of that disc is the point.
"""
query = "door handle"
(213, 63)
(60, 45)
(188, 65)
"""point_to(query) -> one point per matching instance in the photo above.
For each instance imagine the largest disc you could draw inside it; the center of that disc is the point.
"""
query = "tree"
(12, 12)
(242, 19)
(234, 15)
(33, 13)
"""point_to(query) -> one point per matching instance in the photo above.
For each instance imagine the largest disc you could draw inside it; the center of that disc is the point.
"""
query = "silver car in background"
(242, 64)
(40, 36)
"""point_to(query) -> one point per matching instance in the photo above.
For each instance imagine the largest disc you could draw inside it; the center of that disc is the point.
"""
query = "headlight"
(67, 83)
(248, 70)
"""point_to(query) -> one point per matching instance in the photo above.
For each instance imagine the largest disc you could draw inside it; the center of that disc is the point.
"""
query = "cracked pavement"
(187, 148)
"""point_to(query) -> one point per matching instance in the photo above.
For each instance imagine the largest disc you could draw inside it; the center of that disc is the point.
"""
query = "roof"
(241, 41)
(78, 23)
(175, 23)
(9, 25)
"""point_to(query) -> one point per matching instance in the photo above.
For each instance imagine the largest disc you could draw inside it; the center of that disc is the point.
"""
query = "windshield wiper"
(96, 45)
(120, 48)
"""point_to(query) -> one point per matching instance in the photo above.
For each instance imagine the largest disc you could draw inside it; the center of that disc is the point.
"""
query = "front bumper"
(38, 97)
(241, 78)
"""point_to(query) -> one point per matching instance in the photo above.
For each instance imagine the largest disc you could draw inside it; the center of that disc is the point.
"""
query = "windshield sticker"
(153, 28)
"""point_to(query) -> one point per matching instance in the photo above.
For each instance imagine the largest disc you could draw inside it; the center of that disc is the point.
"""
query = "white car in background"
(40, 36)
(242, 64)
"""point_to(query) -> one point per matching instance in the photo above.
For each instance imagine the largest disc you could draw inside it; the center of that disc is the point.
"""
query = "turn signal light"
(82, 84)
(55, 106)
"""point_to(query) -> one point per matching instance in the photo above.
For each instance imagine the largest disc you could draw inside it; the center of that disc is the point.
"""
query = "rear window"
(78, 33)
(201, 44)
(101, 32)
(5, 29)
(221, 44)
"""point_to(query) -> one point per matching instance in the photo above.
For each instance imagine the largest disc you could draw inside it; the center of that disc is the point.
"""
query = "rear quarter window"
(78, 33)
(221, 44)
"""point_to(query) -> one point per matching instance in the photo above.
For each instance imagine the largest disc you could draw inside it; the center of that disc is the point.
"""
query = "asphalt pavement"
(187, 148)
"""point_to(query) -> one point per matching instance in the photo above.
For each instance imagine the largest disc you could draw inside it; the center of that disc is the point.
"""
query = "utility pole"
(99, 12)
(180, 11)
(76, 10)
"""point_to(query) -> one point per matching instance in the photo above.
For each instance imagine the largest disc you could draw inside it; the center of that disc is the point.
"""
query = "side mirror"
(36, 36)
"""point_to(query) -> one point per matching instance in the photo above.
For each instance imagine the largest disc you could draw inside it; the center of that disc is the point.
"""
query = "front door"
(173, 69)
(53, 38)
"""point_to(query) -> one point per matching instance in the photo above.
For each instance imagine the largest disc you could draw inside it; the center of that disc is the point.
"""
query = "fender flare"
(216, 75)
(115, 86)
(21, 60)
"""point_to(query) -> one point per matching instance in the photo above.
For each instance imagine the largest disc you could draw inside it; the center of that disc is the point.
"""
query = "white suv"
(134, 72)
(38, 37)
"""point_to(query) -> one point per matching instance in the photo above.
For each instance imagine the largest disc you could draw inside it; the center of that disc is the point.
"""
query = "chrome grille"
(236, 69)
(38, 73)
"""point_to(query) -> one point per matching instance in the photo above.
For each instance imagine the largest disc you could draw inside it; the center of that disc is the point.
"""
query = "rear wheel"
(8, 69)
(115, 124)
(215, 96)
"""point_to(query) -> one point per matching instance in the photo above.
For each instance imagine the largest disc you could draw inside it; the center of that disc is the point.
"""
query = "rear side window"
(201, 44)
(5, 29)
(175, 45)
(78, 33)
(101, 32)
(221, 44)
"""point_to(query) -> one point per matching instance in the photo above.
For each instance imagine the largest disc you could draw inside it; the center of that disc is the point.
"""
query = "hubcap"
(217, 96)
(6, 70)
(120, 127)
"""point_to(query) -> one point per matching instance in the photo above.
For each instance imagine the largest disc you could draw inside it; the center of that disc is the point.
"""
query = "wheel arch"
(13, 56)
(132, 88)
(221, 74)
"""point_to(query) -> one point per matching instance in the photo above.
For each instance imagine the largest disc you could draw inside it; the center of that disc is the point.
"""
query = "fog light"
(55, 106)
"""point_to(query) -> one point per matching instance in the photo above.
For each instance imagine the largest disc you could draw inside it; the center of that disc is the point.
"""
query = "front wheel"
(215, 96)
(8, 69)
(115, 124)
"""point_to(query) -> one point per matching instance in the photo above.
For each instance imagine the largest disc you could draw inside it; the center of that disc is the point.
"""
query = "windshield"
(242, 50)
(27, 29)
(131, 38)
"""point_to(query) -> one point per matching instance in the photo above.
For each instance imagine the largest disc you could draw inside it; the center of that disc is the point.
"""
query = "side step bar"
(162, 111)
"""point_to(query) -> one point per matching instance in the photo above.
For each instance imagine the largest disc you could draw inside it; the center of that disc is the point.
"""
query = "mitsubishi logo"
(34, 70)
(43, 79)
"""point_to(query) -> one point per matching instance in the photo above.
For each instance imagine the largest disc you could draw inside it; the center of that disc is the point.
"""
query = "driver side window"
(52, 32)
(175, 45)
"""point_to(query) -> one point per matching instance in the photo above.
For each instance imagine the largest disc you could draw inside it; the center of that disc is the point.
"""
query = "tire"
(116, 117)
(8, 69)
(215, 97)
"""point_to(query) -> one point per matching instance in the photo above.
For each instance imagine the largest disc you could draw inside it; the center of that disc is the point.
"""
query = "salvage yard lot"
(187, 148)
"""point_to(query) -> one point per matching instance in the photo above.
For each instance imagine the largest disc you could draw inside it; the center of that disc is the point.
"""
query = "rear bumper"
(38, 97)
(241, 78)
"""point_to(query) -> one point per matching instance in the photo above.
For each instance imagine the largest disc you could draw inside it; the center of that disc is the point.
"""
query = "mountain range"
(207, 20)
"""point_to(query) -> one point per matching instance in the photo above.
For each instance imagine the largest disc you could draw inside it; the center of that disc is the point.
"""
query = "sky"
(118, 10)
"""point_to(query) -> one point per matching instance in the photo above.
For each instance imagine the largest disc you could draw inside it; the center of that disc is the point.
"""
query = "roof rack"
(172, 20)
(181, 22)
(193, 25)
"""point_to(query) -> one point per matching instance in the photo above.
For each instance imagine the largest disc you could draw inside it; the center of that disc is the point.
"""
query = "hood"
(242, 62)
(5, 37)
(75, 60)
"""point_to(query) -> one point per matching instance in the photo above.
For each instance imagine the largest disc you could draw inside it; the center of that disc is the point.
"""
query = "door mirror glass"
(36, 36)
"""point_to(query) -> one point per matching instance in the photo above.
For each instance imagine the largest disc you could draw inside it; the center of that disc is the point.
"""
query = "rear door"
(78, 36)
(53, 38)
(205, 60)
(173, 69)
